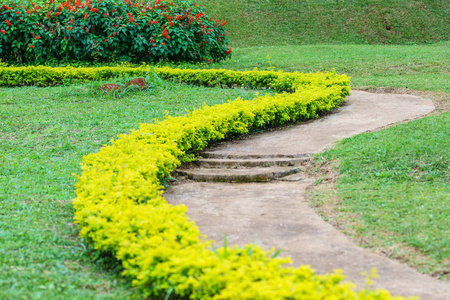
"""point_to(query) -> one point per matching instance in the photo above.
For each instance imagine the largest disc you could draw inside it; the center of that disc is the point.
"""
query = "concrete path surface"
(276, 213)
(362, 112)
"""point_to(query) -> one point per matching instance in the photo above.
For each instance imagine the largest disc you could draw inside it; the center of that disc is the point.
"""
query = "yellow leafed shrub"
(120, 209)
(280, 81)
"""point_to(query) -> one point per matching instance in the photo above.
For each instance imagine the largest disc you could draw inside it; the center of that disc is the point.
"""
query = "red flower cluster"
(187, 21)
(165, 33)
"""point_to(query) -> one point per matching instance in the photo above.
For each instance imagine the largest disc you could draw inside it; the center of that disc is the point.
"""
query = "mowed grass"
(290, 22)
(419, 67)
(393, 192)
(44, 133)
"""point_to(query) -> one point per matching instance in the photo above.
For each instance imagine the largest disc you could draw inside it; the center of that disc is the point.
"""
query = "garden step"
(217, 155)
(234, 163)
(237, 175)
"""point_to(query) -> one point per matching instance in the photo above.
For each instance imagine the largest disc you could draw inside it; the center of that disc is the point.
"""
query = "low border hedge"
(281, 81)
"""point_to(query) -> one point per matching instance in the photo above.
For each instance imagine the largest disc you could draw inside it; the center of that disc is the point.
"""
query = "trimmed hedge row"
(280, 81)
(120, 208)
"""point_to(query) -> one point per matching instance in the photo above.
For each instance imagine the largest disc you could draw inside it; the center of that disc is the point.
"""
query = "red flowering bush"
(108, 30)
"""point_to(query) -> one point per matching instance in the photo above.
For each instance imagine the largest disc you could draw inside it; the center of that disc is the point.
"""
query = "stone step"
(234, 163)
(237, 175)
(219, 155)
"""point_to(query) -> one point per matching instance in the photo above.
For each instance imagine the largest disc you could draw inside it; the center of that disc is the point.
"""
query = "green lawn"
(288, 22)
(420, 67)
(44, 132)
(392, 194)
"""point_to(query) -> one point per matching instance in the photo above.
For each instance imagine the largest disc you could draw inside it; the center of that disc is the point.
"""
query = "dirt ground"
(277, 215)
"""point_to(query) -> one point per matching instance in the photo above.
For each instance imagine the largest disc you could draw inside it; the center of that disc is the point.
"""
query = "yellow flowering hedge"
(120, 208)
(280, 81)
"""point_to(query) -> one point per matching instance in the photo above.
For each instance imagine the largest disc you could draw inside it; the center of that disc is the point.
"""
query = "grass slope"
(291, 22)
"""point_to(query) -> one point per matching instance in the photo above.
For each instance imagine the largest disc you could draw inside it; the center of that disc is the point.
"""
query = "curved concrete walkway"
(276, 214)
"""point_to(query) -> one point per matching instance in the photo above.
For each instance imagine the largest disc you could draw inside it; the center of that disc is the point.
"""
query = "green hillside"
(294, 22)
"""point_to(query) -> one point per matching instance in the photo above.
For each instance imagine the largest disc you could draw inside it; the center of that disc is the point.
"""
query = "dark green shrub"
(108, 30)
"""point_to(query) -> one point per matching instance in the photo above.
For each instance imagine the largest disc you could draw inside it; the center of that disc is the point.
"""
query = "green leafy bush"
(120, 209)
(107, 30)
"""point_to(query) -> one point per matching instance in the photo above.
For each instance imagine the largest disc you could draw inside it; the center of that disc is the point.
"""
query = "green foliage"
(308, 22)
(110, 30)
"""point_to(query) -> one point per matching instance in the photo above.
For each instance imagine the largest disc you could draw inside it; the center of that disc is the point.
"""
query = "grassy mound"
(287, 22)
